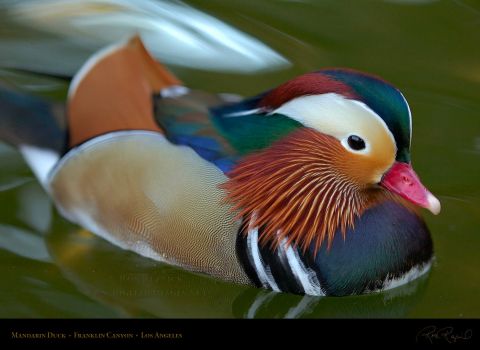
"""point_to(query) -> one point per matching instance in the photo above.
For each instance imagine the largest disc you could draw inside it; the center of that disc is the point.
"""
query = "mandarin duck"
(307, 188)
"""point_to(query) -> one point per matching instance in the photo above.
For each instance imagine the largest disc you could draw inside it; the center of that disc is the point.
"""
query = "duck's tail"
(113, 91)
(35, 127)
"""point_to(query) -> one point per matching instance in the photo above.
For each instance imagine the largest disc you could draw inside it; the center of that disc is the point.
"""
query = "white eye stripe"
(335, 115)
(377, 117)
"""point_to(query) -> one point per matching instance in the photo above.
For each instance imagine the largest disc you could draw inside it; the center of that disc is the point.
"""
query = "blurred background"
(429, 49)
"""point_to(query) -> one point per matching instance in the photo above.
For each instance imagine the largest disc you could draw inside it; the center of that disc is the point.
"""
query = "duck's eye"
(356, 143)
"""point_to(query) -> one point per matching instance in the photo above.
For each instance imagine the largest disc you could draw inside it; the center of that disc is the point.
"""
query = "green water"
(429, 49)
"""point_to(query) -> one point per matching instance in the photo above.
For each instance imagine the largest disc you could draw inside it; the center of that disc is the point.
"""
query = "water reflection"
(23, 243)
(36, 289)
(411, 2)
(29, 217)
(14, 172)
(394, 303)
(174, 32)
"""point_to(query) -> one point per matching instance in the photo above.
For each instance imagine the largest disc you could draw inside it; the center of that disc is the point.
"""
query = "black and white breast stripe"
(280, 270)
(365, 261)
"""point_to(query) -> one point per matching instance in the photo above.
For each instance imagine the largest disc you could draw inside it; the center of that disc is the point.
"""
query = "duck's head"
(344, 146)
